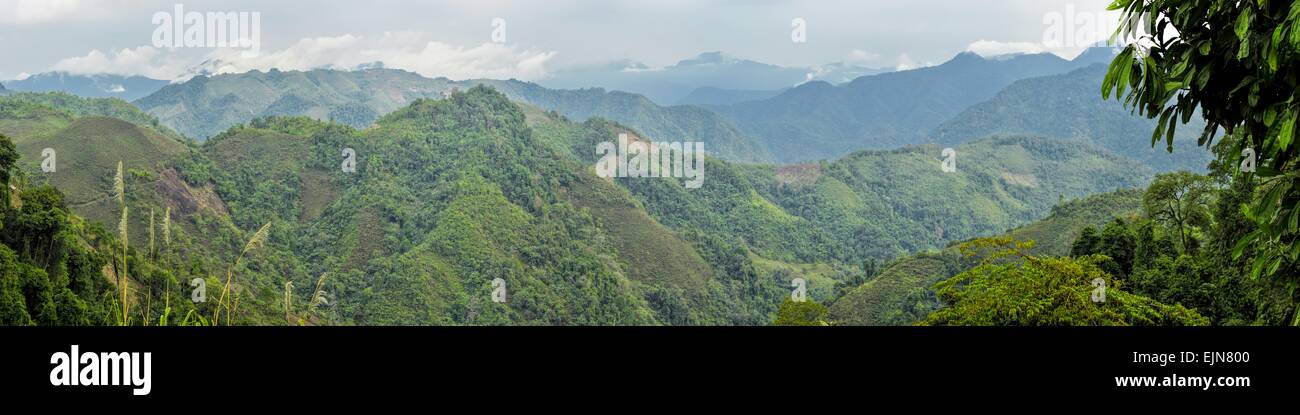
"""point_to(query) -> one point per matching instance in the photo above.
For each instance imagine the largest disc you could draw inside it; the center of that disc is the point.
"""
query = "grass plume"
(258, 239)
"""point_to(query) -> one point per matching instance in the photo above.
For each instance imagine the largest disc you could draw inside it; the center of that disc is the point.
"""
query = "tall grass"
(152, 253)
(258, 239)
(318, 299)
(119, 187)
(288, 300)
(167, 227)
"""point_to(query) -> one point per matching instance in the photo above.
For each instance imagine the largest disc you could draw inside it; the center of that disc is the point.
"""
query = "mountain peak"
(965, 58)
(705, 59)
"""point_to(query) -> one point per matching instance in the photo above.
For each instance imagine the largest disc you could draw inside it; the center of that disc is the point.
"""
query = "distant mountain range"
(205, 106)
(1066, 106)
(818, 120)
(128, 88)
(670, 85)
(815, 120)
(964, 99)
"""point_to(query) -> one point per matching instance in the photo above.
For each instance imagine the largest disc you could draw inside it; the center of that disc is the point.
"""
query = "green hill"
(1053, 235)
(88, 143)
(902, 294)
(448, 195)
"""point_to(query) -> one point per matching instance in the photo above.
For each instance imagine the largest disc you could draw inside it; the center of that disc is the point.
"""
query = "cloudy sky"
(454, 38)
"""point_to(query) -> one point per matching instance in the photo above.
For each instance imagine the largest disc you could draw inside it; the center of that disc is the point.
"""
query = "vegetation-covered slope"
(902, 293)
(450, 195)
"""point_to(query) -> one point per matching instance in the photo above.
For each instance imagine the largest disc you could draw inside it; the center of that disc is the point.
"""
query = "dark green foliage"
(1181, 201)
(1237, 65)
(1011, 287)
(1117, 244)
(803, 313)
(1089, 242)
(1204, 276)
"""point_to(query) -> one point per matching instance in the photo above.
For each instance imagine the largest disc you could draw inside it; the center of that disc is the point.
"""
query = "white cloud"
(144, 61)
(988, 48)
(39, 11)
(905, 63)
(861, 56)
(412, 51)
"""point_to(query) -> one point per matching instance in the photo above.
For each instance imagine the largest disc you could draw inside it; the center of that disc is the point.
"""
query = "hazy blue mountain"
(671, 84)
(91, 86)
(819, 120)
(1069, 106)
(717, 96)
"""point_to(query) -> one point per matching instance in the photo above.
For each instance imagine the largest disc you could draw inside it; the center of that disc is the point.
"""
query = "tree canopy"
(1234, 63)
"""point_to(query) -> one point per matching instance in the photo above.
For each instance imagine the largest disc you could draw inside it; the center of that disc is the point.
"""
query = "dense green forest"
(450, 194)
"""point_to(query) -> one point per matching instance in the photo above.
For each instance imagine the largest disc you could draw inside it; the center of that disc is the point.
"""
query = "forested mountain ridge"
(817, 120)
(1065, 106)
(205, 106)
